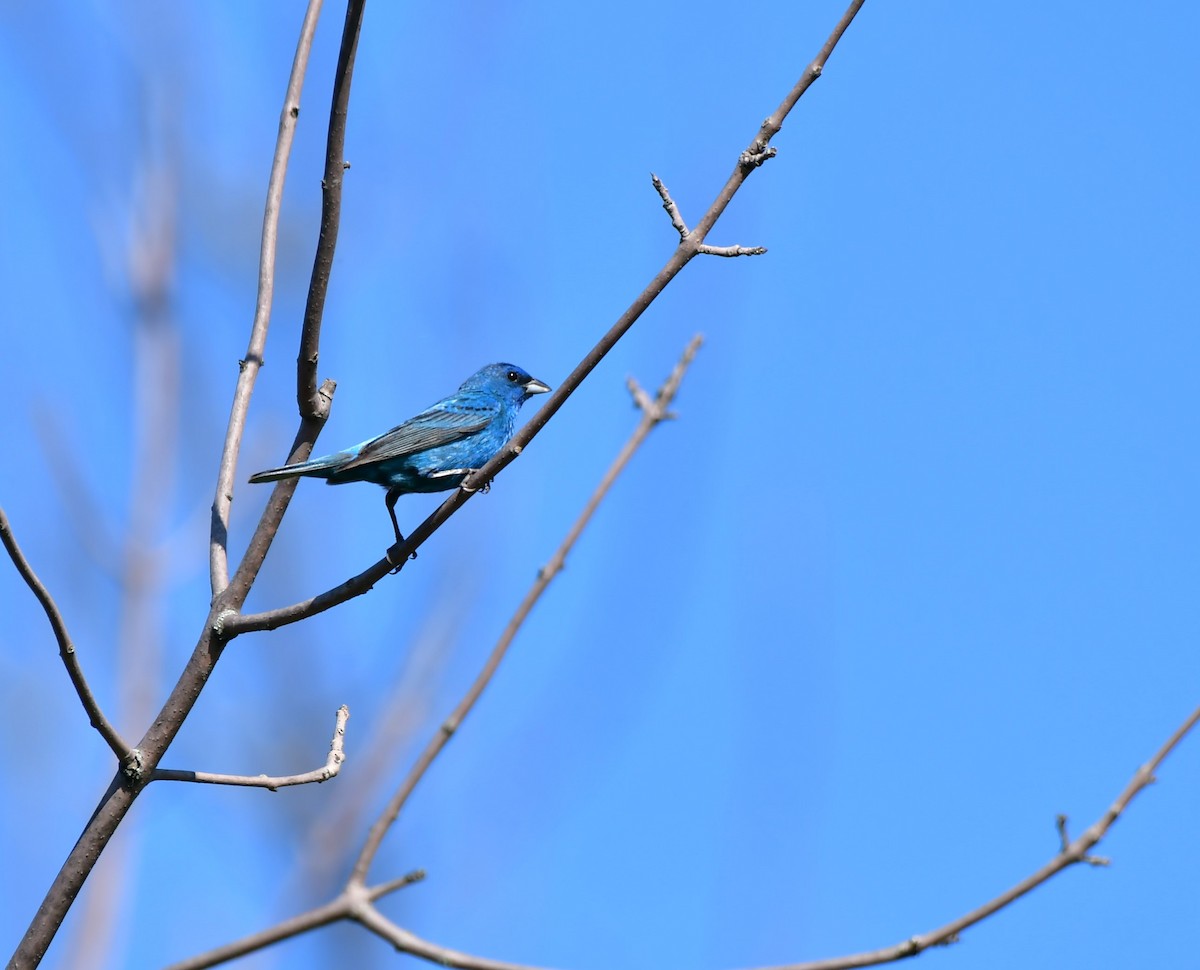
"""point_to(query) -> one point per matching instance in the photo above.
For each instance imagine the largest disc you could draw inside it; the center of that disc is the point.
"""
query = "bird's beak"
(534, 386)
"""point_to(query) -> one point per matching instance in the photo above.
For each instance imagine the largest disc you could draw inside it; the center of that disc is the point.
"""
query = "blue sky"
(914, 571)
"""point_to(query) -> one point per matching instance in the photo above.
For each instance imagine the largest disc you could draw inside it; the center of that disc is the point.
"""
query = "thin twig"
(689, 246)
(669, 204)
(311, 402)
(1071, 853)
(66, 647)
(333, 764)
(389, 887)
(218, 555)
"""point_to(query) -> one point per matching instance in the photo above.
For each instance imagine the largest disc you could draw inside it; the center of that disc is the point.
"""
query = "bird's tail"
(317, 468)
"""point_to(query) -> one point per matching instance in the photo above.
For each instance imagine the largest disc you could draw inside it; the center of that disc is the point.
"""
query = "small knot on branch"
(756, 154)
(1060, 823)
(133, 766)
(218, 625)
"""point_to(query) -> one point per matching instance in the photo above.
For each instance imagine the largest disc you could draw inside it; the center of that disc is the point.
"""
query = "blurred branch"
(1071, 853)
(690, 245)
(249, 366)
(143, 267)
(333, 764)
(355, 900)
(85, 515)
(66, 647)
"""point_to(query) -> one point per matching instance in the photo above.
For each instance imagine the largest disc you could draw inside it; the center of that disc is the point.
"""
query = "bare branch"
(283, 615)
(1070, 854)
(311, 402)
(218, 556)
(66, 647)
(652, 414)
(758, 152)
(333, 764)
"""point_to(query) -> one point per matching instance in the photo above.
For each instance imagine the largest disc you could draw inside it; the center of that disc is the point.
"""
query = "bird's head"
(507, 381)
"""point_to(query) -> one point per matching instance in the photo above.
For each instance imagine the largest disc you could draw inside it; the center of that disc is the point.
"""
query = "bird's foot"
(397, 566)
(472, 489)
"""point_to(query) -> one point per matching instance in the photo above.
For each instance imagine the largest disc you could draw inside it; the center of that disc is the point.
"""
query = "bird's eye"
(513, 376)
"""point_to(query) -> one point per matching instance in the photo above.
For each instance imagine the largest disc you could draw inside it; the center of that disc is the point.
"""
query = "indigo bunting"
(435, 450)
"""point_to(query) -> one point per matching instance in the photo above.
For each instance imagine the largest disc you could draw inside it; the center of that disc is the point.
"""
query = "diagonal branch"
(688, 247)
(652, 414)
(1071, 854)
(218, 554)
(333, 764)
(66, 647)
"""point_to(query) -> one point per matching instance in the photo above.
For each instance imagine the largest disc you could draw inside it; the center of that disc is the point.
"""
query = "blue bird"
(435, 450)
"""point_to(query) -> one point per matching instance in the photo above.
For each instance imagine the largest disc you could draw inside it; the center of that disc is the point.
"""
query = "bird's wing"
(429, 429)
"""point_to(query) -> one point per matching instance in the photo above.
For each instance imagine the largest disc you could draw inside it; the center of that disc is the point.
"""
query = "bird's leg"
(394, 493)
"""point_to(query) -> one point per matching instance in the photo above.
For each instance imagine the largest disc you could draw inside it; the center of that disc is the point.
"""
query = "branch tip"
(331, 768)
(672, 209)
(730, 251)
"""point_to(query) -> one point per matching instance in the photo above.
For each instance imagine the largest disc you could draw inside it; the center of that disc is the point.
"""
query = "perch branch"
(333, 764)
